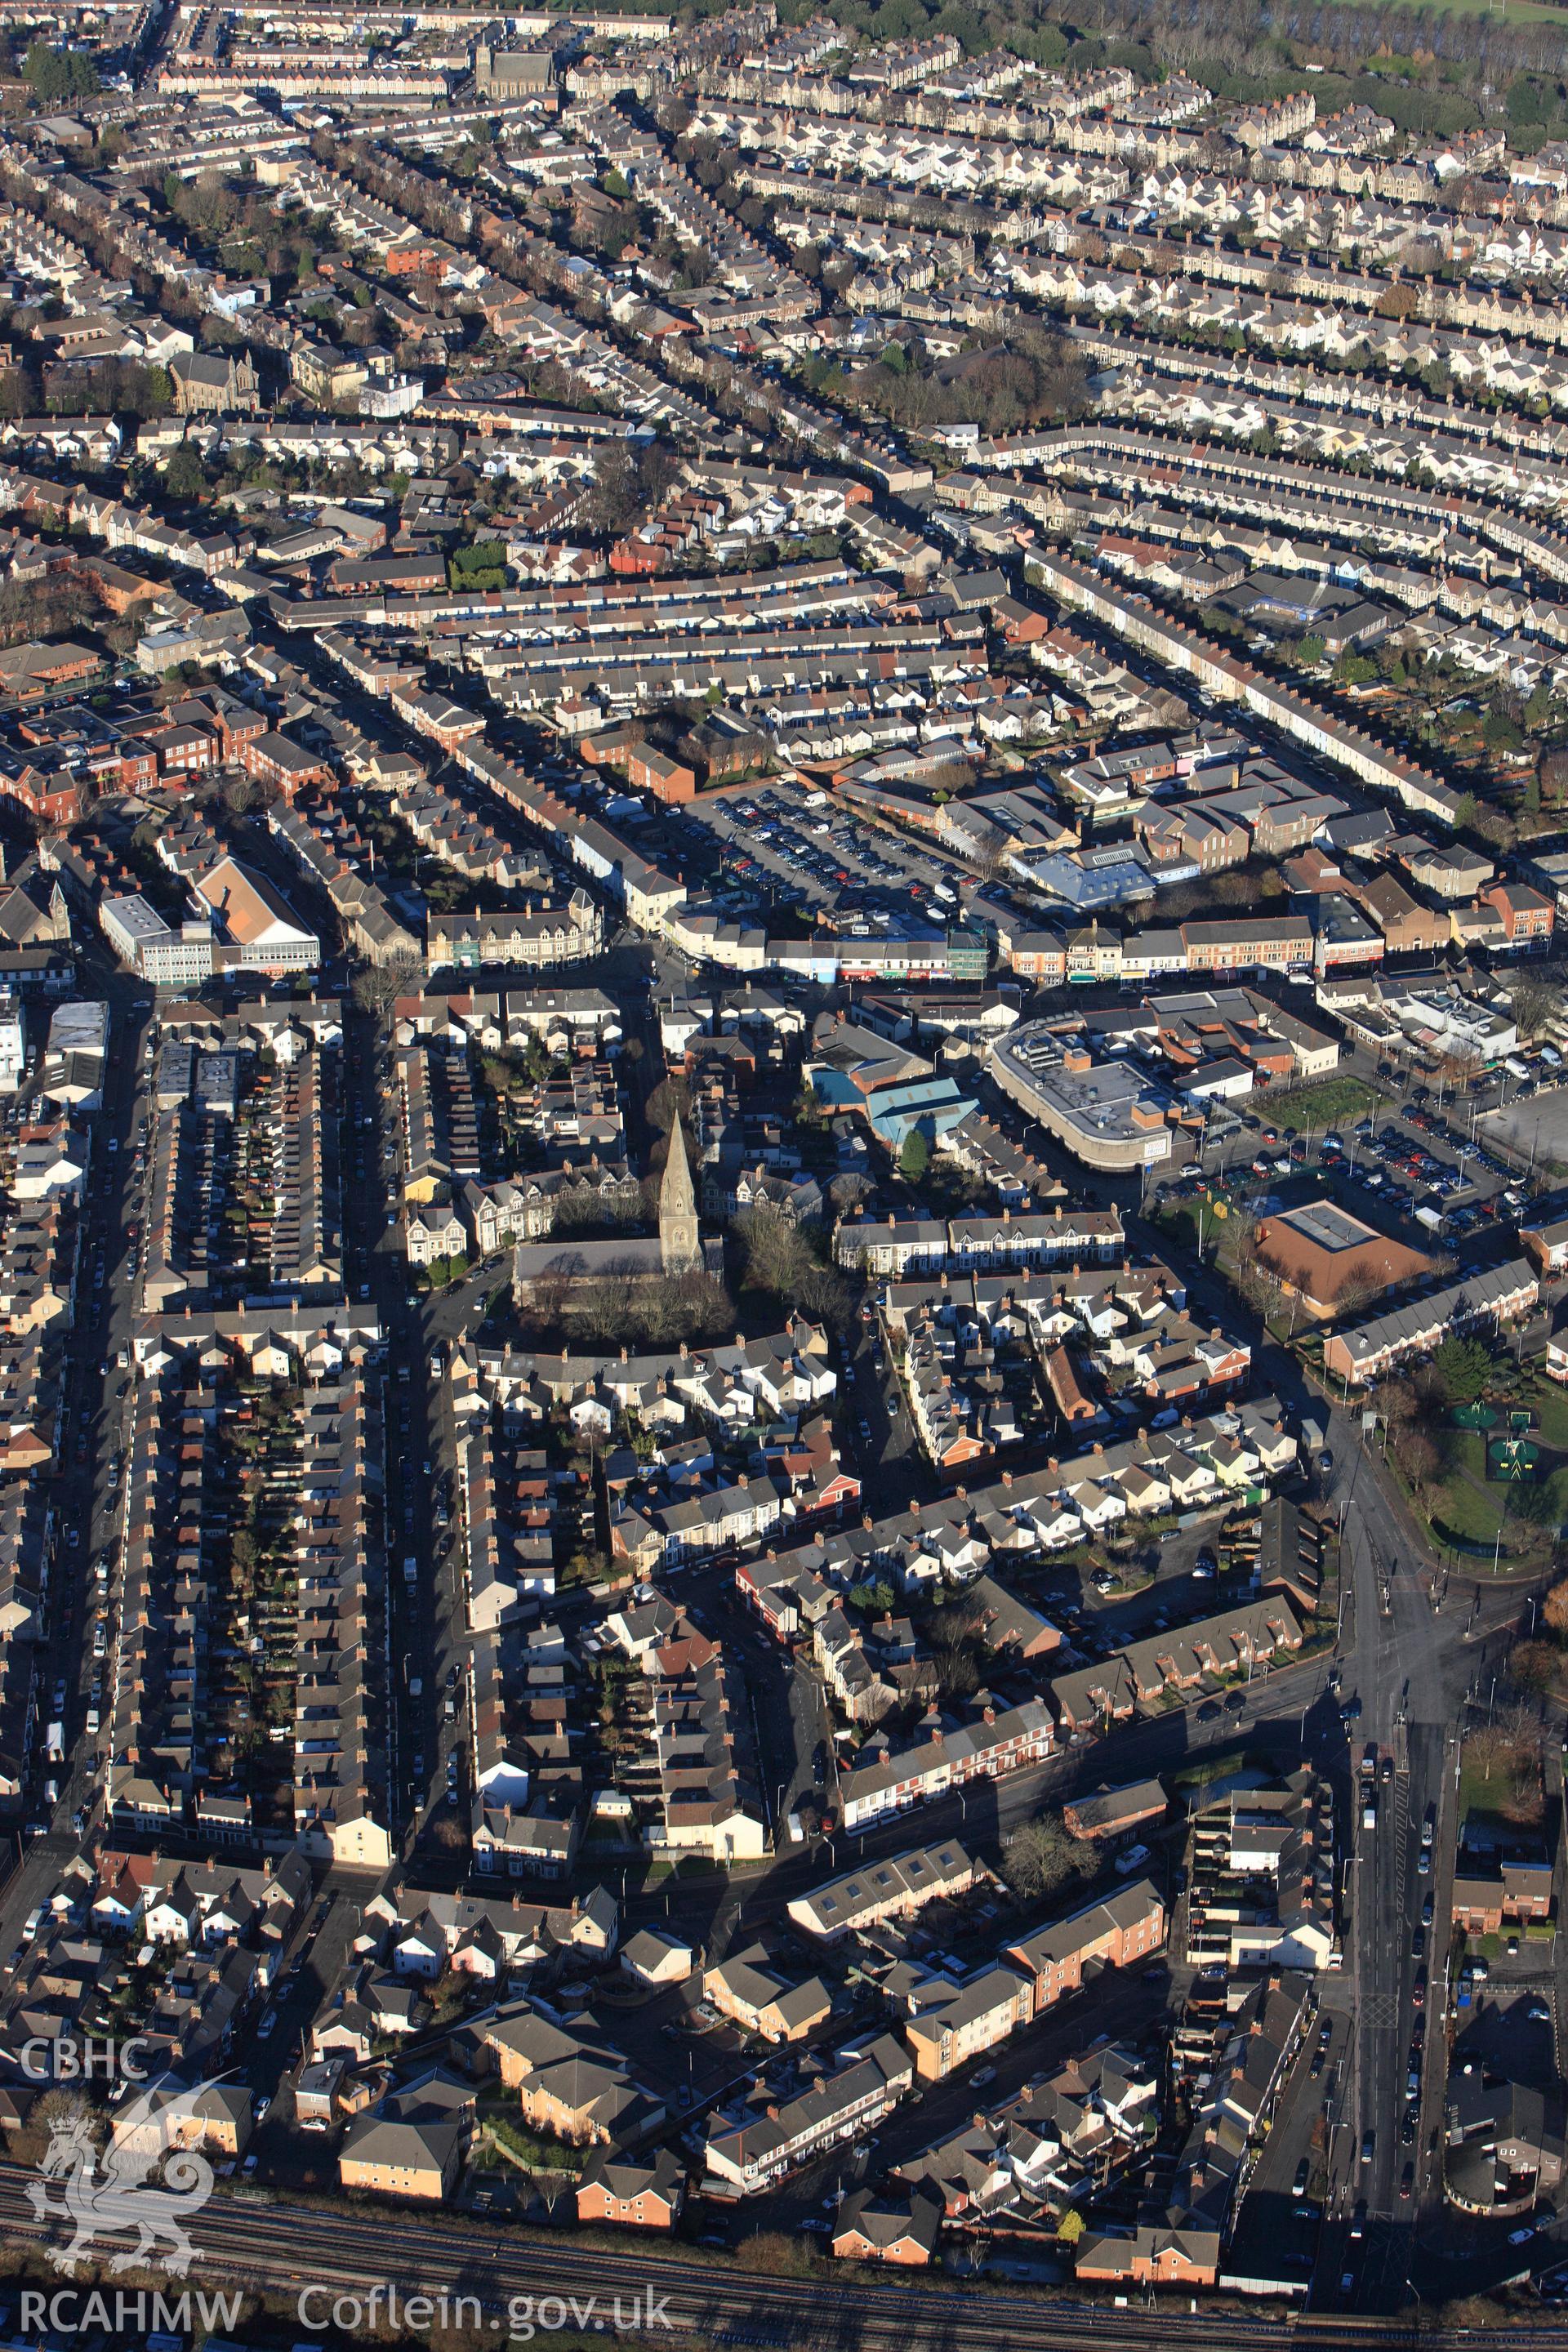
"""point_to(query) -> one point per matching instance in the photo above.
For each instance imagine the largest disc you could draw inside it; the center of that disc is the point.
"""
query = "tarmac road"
(1410, 1663)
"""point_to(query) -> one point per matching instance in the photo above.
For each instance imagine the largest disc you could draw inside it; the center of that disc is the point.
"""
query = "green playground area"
(1514, 1458)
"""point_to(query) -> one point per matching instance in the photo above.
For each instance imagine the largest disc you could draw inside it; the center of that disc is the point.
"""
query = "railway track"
(287, 2250)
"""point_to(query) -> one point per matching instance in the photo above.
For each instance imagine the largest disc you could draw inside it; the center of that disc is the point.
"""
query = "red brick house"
(409, 260)
(183, 751)
(1157, 2255)
(1517, 1892)
(237, 724)
(888, 2230)
(1125, 1928)
(1524, 914)
(640, 558)
(1039, 955)
(638, 2196)
(138, 765)
(652, 771)
(1020, 624)
(52, 797)
(278, 760)
(611, 747)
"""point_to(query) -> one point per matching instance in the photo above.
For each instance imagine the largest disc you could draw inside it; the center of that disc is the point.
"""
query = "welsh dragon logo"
(146, 2181)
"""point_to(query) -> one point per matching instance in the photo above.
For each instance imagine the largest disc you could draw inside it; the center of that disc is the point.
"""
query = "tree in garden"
(1463, 1367)
(1040, 1857)
(185, 477)
(61, 2109)
(1533, 1003)
(1552, 772)
(914, 1159)
(54, 74)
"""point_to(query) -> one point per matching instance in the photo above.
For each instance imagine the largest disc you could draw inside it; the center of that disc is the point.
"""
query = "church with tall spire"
(678, 1246)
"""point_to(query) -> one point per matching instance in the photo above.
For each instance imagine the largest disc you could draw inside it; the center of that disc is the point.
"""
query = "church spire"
(677, 1243)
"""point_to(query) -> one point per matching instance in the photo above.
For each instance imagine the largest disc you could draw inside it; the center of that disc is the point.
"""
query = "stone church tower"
(679, 1249)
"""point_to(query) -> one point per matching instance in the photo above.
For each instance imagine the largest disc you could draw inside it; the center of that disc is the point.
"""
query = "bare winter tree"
(378, 986)
(1534, 1003)
(239, 791)
(1553, 776)
(990, 858)
(1040, 1857)
(956, 1647)
(784, 1258)
(777, 1253)
(668, 1101)
(548, 1301)
(1418, 1458)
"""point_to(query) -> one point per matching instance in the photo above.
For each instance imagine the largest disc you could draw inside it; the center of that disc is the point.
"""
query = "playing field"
(1514, 12)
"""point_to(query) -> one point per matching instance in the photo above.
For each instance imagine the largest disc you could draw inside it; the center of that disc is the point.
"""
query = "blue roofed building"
(934, 1104)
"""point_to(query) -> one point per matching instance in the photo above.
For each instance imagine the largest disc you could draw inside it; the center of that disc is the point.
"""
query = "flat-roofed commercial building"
(153, 948)
(1103, 1113)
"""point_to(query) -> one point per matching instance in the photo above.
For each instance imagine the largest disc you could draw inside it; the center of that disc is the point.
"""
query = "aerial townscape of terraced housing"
(783, 1175)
